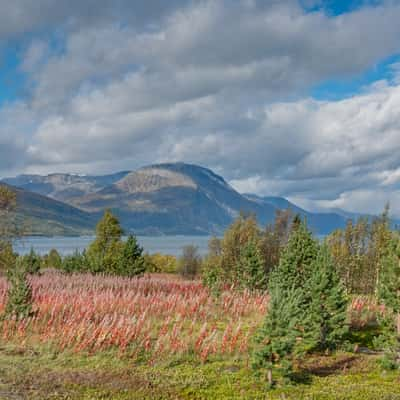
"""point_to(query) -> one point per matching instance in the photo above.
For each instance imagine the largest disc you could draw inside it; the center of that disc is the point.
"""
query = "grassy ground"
(40, 373)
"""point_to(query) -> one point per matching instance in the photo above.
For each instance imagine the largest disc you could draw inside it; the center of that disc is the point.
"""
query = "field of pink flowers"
(148, 318)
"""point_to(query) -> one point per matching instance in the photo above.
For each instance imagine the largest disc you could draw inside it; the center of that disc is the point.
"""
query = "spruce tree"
(295, 265)
(32, 262)
(326, 304)
(276, 340)
(132, 261)
(389, 295)
(251, 272)
(285, 323)
(19, 299)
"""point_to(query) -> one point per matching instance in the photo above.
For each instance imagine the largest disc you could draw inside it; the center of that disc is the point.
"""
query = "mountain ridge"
(40, 215)
(168, 198)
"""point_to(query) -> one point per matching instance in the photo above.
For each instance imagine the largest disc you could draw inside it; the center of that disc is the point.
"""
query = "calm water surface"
(151, 244)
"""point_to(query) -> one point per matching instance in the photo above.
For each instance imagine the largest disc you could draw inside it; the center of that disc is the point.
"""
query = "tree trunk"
(269, 377)
(398, 324)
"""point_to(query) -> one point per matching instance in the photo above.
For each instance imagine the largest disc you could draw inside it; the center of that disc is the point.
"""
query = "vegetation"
(104, 254)
(276, 300)
(190, 262)
(358, 251)
(19, 293)
(8, 230)
(288, 311)
(32, 262)
(389, 295)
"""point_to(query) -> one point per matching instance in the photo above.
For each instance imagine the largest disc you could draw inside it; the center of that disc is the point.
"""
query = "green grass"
(40, 373)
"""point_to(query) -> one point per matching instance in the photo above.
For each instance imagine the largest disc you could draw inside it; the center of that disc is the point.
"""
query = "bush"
(7, 257)
(19, 295)
(52, 260)
(160, 263)
(32, 262)
(76, 262)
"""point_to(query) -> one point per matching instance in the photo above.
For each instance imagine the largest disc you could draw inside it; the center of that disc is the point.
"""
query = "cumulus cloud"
(221, 83)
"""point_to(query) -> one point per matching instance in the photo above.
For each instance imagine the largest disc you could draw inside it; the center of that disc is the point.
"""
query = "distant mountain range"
(173, 198)
(41, 215)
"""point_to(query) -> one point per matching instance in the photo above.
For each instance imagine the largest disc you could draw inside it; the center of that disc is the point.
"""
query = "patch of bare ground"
(338, 364)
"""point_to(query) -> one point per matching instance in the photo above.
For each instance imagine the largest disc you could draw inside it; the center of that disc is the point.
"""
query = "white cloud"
(220, 83)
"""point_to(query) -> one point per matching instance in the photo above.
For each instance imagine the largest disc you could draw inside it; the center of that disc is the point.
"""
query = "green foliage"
(53, 260)
(32, 262)
(19, 294)
(104, 254)
(308, 305)
(7, 257)
(327, 304)
(236, 260)
(297, 259)
(189, 262)
(243, 230)
(276, 340)
(8, 230)
(160, 263)
(212, 273)
(76, 262)
(132, 262)
(286, 317)
(251, 273)
(389, 295)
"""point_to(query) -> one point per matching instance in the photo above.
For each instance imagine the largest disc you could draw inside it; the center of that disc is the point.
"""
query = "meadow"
(97, 337)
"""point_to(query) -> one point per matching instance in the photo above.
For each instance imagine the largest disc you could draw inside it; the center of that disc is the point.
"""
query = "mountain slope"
(40, 215)
(174, 198)
(171, 198)
(64, 187)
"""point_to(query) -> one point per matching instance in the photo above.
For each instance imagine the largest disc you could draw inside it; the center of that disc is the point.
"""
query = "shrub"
(19, 300)
(53, 260)
(32, 262)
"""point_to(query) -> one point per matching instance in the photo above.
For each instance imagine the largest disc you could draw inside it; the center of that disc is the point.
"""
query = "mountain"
(173, 198)
(170, 198)
(41, 215)
(68, 188)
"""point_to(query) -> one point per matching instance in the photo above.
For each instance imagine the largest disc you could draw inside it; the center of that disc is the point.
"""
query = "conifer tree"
(132, 261)
(276, 340)
(295, 265)
(19, 299)
(327, 304)
(389, 295)
(105, 252)
(32, 262)
(284, 327)
(251, 272)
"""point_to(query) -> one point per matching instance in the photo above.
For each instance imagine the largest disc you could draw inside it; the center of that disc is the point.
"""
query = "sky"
(289, 98)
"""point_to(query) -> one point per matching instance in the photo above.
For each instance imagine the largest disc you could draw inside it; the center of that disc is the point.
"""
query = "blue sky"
(289, 98)
(11, 79)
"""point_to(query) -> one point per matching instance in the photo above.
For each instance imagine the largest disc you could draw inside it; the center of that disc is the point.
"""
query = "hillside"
(64, 187)
(173, 198)
(40, 215)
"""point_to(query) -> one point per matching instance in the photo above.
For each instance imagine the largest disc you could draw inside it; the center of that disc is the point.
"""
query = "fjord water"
(152, 244)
